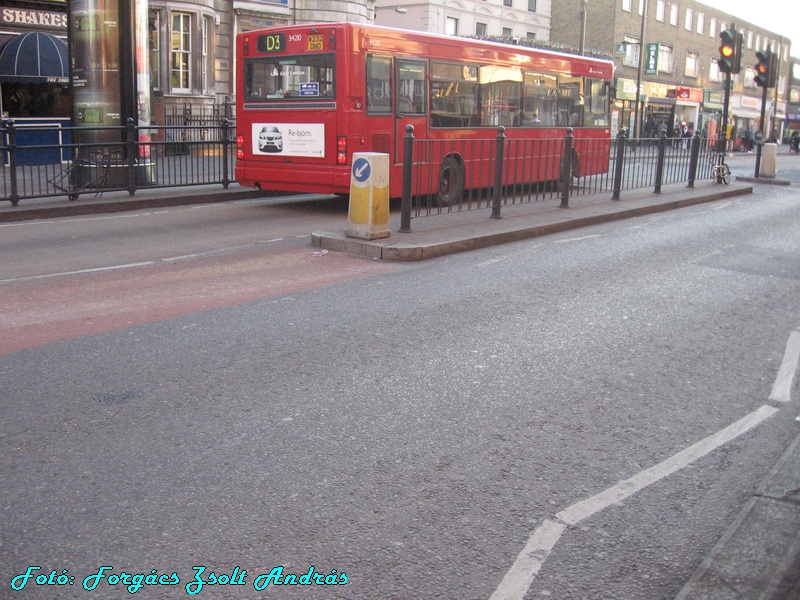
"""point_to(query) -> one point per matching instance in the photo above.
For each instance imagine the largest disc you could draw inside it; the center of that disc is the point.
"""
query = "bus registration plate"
(315, 42)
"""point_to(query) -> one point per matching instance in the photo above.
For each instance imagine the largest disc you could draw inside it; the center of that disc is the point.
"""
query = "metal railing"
(143, 158)
(503, 171)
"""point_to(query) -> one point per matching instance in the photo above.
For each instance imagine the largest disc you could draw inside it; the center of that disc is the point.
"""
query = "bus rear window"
(302, 77)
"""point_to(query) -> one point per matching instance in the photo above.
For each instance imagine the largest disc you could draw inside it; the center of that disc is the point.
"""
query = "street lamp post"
(583, 27)
(638, 103)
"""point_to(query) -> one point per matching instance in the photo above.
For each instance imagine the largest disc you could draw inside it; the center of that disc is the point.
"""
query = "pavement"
(759, 554)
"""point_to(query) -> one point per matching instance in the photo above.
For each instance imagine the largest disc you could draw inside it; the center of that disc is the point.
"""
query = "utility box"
(368, 215)
(768, 161)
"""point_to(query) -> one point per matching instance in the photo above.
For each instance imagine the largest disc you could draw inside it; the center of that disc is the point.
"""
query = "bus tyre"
(451, 182)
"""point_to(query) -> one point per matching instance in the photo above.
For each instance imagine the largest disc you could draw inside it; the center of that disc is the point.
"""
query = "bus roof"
(361, 38)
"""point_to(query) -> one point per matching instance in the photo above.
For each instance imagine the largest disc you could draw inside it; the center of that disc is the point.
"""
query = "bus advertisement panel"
(309, 96)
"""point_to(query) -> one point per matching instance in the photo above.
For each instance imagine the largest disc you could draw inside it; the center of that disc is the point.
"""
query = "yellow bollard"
(368, 213)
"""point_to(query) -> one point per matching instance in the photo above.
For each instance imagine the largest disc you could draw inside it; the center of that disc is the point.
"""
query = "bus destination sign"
(272, 42)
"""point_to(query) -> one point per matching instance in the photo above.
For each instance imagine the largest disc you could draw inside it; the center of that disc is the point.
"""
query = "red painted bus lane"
(34, 314)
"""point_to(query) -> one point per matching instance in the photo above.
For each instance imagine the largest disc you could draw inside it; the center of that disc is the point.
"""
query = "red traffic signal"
(730, 51)
(765, 69)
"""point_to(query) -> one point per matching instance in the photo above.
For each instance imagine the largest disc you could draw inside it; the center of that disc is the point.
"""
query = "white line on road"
(80, 272)
(578, 239)
(782, 387)
(520, 576)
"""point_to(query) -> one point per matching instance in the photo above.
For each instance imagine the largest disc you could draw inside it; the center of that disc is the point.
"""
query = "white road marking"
(578, 239)
(781, 389)
(80, 272)
(520, 576)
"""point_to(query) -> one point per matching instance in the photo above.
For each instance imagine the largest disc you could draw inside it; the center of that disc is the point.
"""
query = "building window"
(507, 3)
(701, 23)
(508, 32)
(665, 59)
(641, 7)
(688, 24)
(714, 73)
(531, 5)
(673, 15)
(712, 28)
(205, 47)
(627, 5)
(451, 26)
(181, 52)
(632, 50)
(749, 40)
(661, 6)
(692, 65)
(531, 36)
(480, 29)
(155, 50)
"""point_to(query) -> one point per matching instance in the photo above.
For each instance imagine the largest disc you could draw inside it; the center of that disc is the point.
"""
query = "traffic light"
(730, 51)
(765, 69)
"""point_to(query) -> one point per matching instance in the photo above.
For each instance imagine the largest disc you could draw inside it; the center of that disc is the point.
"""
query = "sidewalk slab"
(461, 231)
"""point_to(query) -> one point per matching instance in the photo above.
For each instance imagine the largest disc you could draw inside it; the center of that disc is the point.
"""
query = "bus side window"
(379, 84)
(411, 78)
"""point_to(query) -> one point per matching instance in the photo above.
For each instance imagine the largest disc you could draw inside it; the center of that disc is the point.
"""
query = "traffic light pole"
(723, 139)
(763, 123)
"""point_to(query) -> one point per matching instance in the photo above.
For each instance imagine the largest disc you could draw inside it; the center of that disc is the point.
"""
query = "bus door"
(412, 101)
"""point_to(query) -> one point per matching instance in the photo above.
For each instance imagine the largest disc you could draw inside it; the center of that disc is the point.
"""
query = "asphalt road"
(248, 405)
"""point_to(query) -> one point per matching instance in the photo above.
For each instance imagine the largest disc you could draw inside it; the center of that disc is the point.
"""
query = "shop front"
(34, 78)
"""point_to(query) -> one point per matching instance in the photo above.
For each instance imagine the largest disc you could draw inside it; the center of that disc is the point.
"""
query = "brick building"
(681, 81)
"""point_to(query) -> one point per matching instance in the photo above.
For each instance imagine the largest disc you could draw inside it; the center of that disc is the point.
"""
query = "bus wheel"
(451, 182)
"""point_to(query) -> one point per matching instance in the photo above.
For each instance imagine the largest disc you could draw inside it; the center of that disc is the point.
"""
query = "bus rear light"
(341, 150)
(239, 146)
(246, 48)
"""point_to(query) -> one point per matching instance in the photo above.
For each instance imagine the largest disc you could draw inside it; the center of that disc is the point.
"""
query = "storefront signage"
(39, 18)
(651, 66)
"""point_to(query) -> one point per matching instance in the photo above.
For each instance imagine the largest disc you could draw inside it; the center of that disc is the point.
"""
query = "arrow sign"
(361, 170)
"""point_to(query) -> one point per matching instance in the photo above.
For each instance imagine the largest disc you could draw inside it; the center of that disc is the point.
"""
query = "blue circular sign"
(361, 170)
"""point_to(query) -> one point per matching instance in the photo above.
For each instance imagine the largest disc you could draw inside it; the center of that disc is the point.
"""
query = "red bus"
(309, 96)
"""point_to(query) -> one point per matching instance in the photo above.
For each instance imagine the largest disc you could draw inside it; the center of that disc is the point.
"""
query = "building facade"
(482, 18)
(681, 83)
(193, 42)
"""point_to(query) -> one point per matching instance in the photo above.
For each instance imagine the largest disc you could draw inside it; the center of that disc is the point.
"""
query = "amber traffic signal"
(730, 51)
(765, 69)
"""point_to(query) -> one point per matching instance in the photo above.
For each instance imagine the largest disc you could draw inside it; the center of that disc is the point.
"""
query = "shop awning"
(35, 58)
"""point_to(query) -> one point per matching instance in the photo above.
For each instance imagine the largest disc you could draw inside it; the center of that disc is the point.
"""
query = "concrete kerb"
(481, 232)
(121, 202)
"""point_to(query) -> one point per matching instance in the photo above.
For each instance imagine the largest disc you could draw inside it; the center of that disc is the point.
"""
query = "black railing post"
(130, 151)
(497, 196)
(566, 169)
(662, 153)
(408, 165)
(226, 126)
(12, 162)
(619, 164)
(694, 159)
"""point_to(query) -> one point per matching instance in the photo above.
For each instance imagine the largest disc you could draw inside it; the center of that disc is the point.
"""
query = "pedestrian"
(796, 141)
